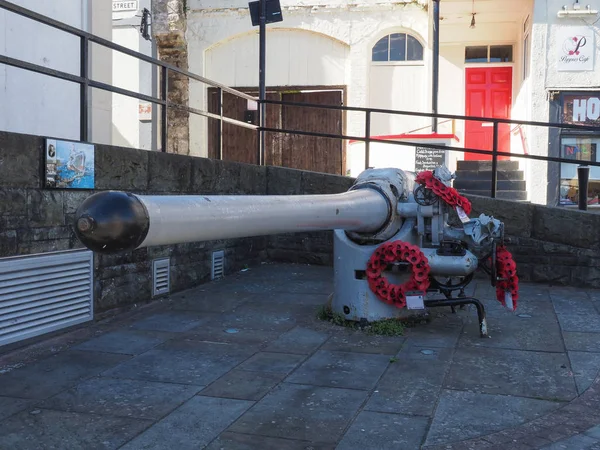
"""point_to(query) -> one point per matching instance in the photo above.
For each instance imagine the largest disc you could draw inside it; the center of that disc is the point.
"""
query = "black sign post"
(263, 12)
(429, 158)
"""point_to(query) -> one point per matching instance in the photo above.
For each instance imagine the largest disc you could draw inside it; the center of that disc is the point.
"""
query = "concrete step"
(486, 165)
(487, 175)
(483, 184)
(505, 195)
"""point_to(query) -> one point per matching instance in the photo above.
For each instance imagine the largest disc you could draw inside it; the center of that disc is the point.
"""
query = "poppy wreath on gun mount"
(507, 272)
(391, 252)
(448, 194)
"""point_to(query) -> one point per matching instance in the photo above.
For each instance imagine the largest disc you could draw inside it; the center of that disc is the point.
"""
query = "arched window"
(397, 47)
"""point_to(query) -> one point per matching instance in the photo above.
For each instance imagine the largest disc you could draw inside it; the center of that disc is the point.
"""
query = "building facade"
(498, 58)
(42, 105)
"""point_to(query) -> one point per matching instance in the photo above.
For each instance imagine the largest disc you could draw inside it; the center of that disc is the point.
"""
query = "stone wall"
(35, 220)
(550, 245)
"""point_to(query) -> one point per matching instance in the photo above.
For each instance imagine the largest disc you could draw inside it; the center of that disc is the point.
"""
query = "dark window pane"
(380, 50)
(398, 47)
(414, 49)
(501, 53)
(476, 54)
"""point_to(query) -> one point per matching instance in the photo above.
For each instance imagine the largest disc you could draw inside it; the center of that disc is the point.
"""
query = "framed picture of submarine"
(68, 164)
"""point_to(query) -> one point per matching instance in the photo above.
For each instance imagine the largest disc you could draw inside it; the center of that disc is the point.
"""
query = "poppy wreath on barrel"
(507, 272)
(448, 194)
(391, 252)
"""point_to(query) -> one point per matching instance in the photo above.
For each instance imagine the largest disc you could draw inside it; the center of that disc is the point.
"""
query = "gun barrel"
(116, 221)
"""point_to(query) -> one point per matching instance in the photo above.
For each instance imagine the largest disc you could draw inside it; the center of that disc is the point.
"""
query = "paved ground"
(244, 364)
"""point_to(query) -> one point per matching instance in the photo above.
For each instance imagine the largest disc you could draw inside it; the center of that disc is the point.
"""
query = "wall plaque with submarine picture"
(68, 165)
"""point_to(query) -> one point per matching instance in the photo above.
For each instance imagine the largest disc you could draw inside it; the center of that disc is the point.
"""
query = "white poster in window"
(575, 49)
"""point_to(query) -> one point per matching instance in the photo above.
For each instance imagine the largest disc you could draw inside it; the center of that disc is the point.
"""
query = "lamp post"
(435, 64)
(261, 13)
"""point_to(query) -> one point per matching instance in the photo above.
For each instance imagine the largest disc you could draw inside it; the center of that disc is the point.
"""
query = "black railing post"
(495, 160)
(164, 88)
(220, 124)
(259, 133)
(84, 90)
(368, 139)
(583, 177)
(262, 85)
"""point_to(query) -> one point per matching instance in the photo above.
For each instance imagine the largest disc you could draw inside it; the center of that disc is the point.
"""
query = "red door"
(488, 94)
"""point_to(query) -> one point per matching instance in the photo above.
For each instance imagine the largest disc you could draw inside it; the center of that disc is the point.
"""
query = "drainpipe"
(435, 64)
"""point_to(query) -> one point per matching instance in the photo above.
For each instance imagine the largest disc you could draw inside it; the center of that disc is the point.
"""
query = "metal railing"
(85, 82)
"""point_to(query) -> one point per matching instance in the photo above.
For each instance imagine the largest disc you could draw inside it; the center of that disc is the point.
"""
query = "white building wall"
(546, 78)
(38, 104)
(355, 27)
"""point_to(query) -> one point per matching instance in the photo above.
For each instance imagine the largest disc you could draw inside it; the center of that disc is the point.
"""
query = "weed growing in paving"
(386, 327)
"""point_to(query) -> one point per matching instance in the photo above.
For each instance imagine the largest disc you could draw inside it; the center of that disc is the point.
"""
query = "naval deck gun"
(394, 250)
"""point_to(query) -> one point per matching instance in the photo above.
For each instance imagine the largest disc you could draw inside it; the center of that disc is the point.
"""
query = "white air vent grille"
(45, 292)
(161, 279)
(218, 265)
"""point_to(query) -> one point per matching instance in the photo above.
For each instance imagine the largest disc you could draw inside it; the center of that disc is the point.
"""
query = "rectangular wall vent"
(218, 265)
(161, 278)
(45, 292)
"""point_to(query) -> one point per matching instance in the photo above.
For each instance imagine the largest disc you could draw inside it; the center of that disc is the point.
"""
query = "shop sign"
(582, 109)
(575, 49)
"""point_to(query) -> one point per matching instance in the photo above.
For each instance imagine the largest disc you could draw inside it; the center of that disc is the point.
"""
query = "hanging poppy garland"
(446, 193)
(509, 281)
(389, 253)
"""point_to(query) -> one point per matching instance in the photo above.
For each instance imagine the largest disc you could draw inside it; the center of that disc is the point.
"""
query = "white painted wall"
(545, 46)
(302, 59)
(355, 27)
(37, 104)
(129, 129)
(126, 75)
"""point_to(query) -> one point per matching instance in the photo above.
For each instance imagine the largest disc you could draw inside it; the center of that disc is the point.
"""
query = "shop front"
(581, 146)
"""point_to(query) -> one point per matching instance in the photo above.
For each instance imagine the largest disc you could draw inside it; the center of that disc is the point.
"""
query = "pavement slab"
(243, 385)
(573, 305)
(191, 426)
(173, 321)
(412, 383)
(579, 322)
(272, 362)
(184, 361)
(127, 398)
(463, 415)
(49, 376)
(341, 369)
(373, 430)
(129, 342)
(583, 342)
(585, 369)
(237, 441)
(299, 340)
(212, 302)
(47, 429)
(526, 332)
(10, 406)
(360, 342)
(267, 316)
(302, 412)
(539, 375)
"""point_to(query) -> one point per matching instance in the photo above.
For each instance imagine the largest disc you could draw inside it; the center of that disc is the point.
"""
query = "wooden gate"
(288, 150)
